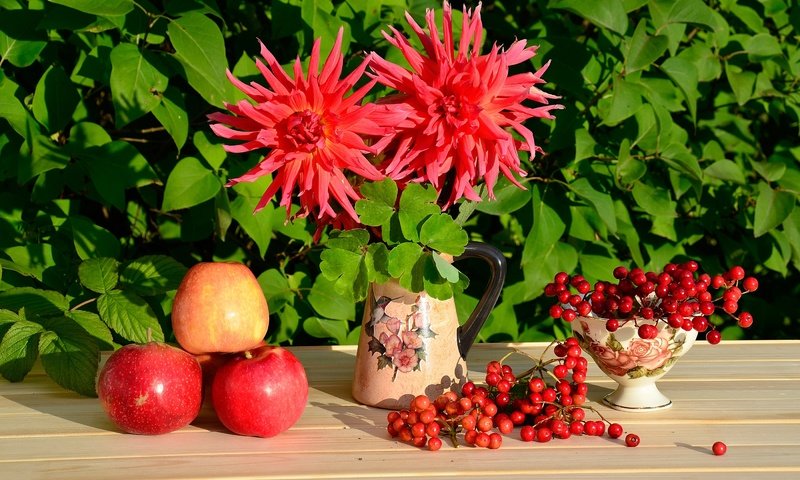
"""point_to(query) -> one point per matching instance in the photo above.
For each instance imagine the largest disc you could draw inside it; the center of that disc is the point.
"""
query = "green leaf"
(106, 8)
(441, 233)
(34, 300)
(21, 41)
(171, 113)
(91, 240)
(353, 240)
(90, 323)
(680, 158)
(257, 226)
(377, 262)
(684, 74)
(608, 14)
(70, 356)
(200, 49)
(762, 46)
(508, 199)
(189, 184)
(317, 15)
(696, 12)
(213, 151)
(136, 84)
(19, 349)
(87, 134)
(276, 289)
(772, 208)
(742, 82)
(625, 102)
(99, 274)
(725, 170)
(152, 275)
(547, 229)
(326, 328)
(328, 303)
(12, 110)
(599, 200)
(402, 260)
(55, 99)
(377, 207)
(114, 167)
(445, 268)
(629, 169)
(347, 270)
(654, 200)
(643, 49)
(129, 315)
(30, 260)
(416, 204)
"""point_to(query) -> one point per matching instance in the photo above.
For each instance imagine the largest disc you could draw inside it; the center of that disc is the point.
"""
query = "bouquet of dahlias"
(383, 174)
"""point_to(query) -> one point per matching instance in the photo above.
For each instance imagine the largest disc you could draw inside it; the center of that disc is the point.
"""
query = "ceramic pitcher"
(412, 344)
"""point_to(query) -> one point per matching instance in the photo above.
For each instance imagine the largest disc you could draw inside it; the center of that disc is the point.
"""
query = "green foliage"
(679, 138)
(411, 254)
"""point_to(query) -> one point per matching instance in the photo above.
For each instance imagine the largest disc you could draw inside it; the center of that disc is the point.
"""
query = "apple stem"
(149, 334)
(248, 354)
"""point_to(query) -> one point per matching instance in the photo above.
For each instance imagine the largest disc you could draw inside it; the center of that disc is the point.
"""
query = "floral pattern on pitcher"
(641, 358)
(399, 342)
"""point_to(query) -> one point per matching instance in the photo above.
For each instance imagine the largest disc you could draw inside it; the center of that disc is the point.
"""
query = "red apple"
(219, 307)
(150, 389)
(261, 392)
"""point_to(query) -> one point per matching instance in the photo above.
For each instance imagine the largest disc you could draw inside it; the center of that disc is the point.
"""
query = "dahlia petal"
(246, 89)
(277, 70)
(332, 69)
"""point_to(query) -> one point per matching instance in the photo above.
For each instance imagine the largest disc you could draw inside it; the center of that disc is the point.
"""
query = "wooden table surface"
(746, 394)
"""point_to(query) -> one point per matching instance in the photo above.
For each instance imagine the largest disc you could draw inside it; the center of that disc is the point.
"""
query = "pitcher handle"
(497, 275)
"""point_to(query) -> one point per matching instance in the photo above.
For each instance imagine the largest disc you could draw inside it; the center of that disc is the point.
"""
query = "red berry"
(713, 337)
(612, 325)
(745, 319)
(632, 440)
(719, 448)
(648, 331)
(730, 306)
(620, 272)
(615, 430)
(527, 433)
(736, 273)
(544, 435)
(561, 278)
(750, 284)
(434, 443)
(569, 315)
(495, 440)
(700, 324)
(482, 440)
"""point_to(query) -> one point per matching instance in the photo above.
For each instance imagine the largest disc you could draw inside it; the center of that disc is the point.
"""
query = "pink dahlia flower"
(460, 108)
(313, 130)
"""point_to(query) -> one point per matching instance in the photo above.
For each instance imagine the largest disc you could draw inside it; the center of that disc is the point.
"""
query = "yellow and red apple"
(219, 308)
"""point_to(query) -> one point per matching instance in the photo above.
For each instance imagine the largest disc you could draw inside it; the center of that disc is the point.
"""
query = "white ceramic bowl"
(634, 363)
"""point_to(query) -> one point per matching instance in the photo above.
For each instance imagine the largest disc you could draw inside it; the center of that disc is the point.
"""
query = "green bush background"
(679, 139)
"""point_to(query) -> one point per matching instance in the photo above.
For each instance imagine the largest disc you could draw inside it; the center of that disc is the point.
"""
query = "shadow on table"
(597, 393)
(69, 407)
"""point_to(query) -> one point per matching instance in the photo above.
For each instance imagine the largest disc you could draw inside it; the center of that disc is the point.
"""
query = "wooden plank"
(543, 460)
(46, 432)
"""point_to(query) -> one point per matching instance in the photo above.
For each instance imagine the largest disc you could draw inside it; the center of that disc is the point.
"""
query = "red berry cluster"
(546, 401)
(678, 295)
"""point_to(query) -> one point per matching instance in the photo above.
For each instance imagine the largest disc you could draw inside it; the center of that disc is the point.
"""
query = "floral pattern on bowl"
(639, 358)
(631, 361)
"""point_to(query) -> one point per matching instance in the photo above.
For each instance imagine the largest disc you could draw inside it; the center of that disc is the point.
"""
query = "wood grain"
(742, 393)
